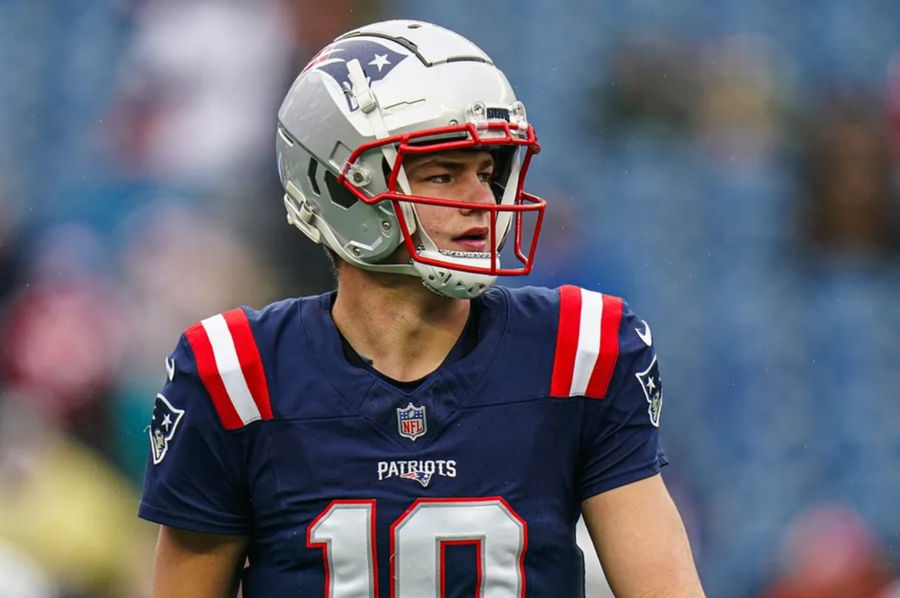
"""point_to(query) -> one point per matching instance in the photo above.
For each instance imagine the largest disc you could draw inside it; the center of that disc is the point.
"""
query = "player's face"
(459, 175)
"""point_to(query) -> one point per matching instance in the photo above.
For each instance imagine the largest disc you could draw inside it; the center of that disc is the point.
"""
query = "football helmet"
(376, 95)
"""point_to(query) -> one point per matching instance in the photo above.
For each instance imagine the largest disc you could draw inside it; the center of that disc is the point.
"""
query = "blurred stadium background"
(729, 167)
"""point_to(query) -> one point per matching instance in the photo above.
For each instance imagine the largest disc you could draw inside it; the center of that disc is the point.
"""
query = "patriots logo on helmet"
(652, 387)
(376, 60)
(162, 427)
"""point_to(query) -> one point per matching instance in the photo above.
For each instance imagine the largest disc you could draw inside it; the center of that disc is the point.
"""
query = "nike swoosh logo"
(170, 368)
(646, 335)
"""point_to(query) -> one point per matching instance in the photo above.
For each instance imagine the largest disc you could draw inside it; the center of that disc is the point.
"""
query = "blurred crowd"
(730, 168)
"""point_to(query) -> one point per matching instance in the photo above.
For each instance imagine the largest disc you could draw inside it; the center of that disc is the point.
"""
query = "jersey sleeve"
(621, 436)
(195, 474)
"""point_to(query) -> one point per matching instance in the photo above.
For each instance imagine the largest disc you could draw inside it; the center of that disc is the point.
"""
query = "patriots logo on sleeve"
(652, 387)
(376, 60)
(162, 427)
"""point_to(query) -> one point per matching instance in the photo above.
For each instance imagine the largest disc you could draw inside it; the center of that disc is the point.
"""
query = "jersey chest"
(478, 490)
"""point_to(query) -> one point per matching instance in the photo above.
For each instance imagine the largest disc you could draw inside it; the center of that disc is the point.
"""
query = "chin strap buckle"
(363, 95)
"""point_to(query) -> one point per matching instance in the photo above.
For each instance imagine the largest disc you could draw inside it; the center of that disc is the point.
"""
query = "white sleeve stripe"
(588, 341)
(230, 368)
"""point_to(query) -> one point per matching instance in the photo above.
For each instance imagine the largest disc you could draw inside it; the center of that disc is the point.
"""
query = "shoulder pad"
(587, 343)
(230, 366)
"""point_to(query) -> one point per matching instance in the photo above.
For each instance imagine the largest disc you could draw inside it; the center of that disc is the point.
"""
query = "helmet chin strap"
(447, 281)
(455, 284)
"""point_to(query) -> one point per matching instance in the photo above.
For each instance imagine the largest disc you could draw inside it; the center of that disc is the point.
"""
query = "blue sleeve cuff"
(602, 485)
(191, 522)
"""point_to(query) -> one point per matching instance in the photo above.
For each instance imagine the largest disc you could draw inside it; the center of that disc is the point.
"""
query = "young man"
(417, 433)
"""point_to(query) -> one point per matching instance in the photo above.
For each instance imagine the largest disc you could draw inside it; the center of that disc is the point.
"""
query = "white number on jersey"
(345, 532)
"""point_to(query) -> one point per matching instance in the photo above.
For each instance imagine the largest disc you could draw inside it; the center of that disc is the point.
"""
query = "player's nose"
(476, 191)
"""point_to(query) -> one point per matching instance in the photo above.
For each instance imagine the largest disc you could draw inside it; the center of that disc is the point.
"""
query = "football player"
(418, 432)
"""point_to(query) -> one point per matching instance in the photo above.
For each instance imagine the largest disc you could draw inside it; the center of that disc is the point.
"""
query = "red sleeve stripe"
(230, 367)
(209, 375)
(587, 344)
(566, 340)
(249, 359)
(598, 384)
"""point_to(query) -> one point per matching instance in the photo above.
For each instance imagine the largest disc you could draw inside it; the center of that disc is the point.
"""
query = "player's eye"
(438, 178)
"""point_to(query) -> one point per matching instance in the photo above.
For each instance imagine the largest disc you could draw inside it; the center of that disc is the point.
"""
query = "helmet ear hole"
(311, 174)
(339, 194)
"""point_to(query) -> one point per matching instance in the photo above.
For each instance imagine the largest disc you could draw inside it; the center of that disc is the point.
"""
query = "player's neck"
(402, 327)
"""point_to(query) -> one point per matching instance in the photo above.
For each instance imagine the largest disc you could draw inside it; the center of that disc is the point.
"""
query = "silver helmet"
(376, 95)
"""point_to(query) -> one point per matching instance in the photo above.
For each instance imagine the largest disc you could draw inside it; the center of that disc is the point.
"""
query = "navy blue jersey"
(349, 486)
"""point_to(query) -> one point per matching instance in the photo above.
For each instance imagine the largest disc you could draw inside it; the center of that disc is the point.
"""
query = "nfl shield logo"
(411, 422)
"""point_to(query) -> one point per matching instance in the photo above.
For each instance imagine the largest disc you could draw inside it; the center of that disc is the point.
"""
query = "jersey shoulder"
(600, 344)
(577, 342)
(238, 356)
(524, 312)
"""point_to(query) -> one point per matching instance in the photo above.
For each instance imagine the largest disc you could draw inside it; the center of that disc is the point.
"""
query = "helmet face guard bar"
(502, 134)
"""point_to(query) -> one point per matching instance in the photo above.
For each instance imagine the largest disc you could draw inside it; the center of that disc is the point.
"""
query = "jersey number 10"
(345, 531)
